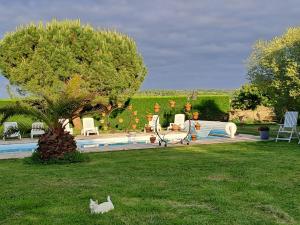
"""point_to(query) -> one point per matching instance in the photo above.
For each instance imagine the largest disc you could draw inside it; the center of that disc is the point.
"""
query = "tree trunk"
(55, 143)
(77, 123)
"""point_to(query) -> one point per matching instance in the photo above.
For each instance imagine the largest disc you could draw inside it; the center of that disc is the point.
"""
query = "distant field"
(183, 92)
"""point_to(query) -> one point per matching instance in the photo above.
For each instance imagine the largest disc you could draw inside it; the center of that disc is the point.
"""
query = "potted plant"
(172, 103)
(195, 115)
(264, 132)
(194, 137)
(152, 139)
(188, 106)
(197, 126)
(149, 117)
(175, 127)
(148, 129)
(156, 107)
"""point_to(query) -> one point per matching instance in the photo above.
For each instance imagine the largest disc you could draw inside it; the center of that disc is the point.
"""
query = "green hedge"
(210, 107)
(24, 122)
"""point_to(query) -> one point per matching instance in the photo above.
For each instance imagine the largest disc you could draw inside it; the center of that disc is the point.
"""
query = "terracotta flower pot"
(156, 107)
(148, 129)
(119, 105)
(149, 117)
(172, 103)
(197, 126)
(194, 137)
(175, 127)
(152, 139)
(195, 115)
(188, 107)
(133, 126)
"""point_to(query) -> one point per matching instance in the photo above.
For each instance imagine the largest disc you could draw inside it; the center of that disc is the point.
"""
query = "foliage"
(226, 184)
(71, 157)
(56, 142)
(214, 107)
(248, 97)
(263, 128)
(42, 58)
(274, 67)
(197, 92)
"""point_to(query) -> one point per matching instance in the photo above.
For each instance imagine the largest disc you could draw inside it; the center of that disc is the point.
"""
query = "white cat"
(101, 208)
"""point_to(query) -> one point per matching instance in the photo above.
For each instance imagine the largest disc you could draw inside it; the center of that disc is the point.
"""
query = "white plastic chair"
(289, 127)
(155, 119)
(178, 120)
(37, 128)
(66, 123)
(89, 127)
(7, 127)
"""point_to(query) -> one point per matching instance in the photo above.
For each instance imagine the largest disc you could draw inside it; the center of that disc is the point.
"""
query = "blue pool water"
(82, 144)
(29, 147)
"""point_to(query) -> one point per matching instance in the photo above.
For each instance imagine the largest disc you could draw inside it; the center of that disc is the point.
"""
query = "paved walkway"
(238, 138)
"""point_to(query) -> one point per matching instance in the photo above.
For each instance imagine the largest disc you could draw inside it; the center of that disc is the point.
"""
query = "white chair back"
(179, 119)
(37, 126)
(88, 123)
(155, 119)
(9, 125)
(290, 119)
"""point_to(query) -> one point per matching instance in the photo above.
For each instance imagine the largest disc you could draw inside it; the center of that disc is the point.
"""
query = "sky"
(186, 44)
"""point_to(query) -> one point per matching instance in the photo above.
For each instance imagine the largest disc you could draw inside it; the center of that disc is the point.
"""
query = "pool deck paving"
(238, 138)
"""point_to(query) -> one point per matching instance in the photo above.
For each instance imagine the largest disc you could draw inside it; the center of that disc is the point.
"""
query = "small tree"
(40, 59)
(274, 68)
(248, 97)
(56, 142)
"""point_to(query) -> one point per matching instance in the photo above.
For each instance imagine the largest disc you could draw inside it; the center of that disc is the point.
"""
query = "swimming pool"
(101, 144)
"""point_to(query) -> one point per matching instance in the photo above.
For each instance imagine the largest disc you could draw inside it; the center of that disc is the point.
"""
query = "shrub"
(210, 107)
(71, 157)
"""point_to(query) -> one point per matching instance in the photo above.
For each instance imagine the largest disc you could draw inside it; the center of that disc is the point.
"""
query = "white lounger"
(89, 127)
(11, 125)
(37, 128)
(178, 120)
(213, 127)
(155, 119)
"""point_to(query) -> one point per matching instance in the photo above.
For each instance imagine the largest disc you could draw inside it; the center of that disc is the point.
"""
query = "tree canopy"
(274, 67)
(248, 97)
(42, 58)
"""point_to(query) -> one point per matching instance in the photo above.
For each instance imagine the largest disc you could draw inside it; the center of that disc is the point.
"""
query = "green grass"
(241, 183)
(252, 129)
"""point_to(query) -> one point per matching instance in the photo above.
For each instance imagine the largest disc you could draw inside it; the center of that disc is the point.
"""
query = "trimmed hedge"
(210, 107)
(24, 122)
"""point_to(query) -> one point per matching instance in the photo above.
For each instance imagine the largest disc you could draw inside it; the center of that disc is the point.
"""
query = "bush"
(72, 157)
(210, 107)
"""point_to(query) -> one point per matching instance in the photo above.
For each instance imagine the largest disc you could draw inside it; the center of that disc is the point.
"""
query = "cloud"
(198, 44)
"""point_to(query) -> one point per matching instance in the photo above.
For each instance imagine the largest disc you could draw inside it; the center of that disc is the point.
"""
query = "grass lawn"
(252, 129)
(241, 183)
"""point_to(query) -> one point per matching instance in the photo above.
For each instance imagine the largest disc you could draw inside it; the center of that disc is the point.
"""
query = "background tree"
(274, 68)
(40, 59)
(248, 97)
(56, 142)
